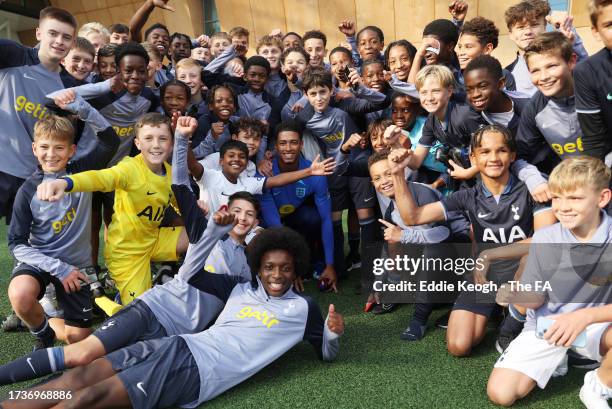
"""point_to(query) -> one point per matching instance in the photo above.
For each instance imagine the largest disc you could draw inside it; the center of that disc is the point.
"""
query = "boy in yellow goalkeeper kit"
(142, 186)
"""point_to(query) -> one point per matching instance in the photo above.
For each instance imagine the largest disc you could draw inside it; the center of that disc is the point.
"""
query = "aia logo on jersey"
(153, 213)
(515, 234)
(505, 235)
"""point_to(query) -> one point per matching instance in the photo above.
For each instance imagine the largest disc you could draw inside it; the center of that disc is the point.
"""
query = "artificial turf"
(374, 369)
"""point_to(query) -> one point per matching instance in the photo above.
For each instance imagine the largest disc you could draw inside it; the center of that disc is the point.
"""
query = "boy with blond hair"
(142, 195)
(95, 33)
(189, 71)
(570, 257)
(51, 242)
(271, 48)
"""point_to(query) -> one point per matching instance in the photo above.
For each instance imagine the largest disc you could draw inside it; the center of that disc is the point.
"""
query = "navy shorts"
(77, 306)
(133, 323)
(339, 192)
(158, 373)
(9, 185)
(362, 192)
(476, 301)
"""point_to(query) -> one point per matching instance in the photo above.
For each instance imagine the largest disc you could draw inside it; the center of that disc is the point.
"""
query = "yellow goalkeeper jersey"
(141, 199)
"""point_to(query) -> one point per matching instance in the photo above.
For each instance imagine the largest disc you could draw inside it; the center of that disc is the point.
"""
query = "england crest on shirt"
(300, 192)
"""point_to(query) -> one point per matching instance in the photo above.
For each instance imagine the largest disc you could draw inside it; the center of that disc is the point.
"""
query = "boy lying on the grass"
(187, 304)
(262, 320)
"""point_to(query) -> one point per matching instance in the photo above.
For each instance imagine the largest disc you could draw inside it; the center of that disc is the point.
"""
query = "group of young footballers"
(233, 172)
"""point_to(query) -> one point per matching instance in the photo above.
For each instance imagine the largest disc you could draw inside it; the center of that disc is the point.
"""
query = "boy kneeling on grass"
(579, 293)
(51, 241)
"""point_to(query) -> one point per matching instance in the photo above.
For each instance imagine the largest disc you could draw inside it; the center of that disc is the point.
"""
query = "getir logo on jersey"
(59, 225)
(338, 136)
(570, 147)
(37, 110)
(267, 319)
(124, 131)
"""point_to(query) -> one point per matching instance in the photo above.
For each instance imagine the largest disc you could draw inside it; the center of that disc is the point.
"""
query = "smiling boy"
(492, 150)
(577, 299)
(271, 49)
(315, 43)
(51, 243)
(525, 21)
(28, 75)
(262, 320)
(550, 121)
(142, 194)
(80, 60)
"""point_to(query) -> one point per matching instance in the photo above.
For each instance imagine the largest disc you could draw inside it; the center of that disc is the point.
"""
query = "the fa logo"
(515, 210)
(300, 192)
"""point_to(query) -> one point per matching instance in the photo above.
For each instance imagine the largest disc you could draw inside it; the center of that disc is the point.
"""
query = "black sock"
(353, 240)
(511, 326)
(422, 312)
(370, 231)
(38, 363)
(339, 248)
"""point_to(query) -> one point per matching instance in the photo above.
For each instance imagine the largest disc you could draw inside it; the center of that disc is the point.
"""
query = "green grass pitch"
(374, 369)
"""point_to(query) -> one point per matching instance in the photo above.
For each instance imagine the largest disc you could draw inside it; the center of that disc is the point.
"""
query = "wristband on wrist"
(69, 182)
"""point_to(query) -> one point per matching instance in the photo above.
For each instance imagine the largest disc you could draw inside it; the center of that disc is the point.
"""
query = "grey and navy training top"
(549, 124)
(253, 330)
(122, 110)
(593, 90)
(24, 84)
(55, 236)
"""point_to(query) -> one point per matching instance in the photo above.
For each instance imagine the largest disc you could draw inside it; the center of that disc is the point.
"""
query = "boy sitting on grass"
(579, 292)
(261, 321)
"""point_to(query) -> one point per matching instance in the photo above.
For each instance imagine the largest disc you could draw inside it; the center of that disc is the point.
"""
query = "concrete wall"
(397, 18)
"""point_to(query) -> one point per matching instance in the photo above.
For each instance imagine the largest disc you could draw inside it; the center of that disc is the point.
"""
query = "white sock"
(602, 386)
